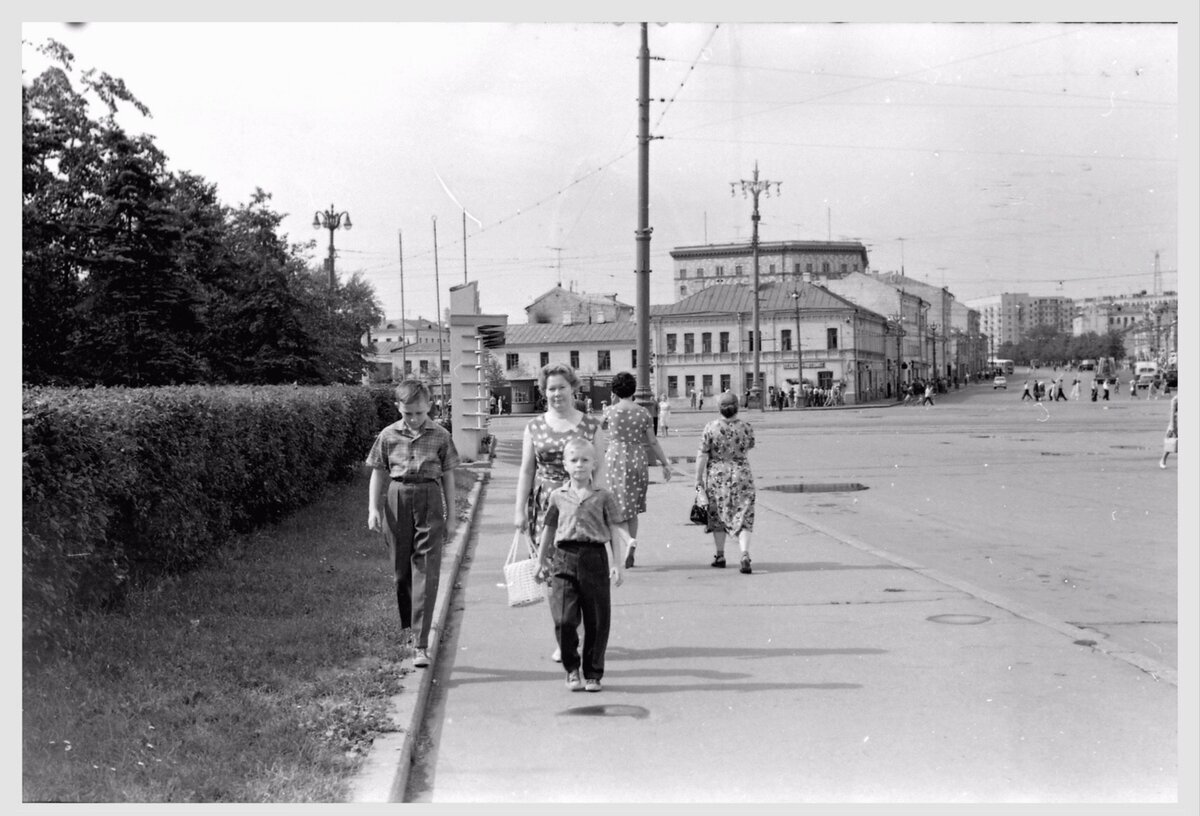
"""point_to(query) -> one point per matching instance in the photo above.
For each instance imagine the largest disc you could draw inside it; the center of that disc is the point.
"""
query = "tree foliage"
(1049, 345)
(136, 275)
(493, 371)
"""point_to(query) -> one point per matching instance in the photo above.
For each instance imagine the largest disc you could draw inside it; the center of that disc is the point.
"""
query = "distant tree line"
(1049, 345)
(135, 275)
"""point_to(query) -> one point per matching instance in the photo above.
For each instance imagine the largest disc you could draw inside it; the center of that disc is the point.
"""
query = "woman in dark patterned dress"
(724, 478)
(630, 430)
(542, 468)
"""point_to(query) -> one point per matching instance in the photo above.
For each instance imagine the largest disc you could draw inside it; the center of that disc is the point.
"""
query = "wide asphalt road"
(1059, 506)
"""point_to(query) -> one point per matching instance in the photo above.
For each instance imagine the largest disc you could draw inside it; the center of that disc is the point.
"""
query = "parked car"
(1000, 382)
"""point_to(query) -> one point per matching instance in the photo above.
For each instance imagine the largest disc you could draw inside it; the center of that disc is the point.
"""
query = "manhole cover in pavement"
(1129, 447)
(981, 436)
(958, 620)
(1052, 453)
(636, 712)
(832, 487)
(675, 460)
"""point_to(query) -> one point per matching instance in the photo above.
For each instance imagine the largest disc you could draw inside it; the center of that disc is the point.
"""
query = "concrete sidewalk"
(831, 674)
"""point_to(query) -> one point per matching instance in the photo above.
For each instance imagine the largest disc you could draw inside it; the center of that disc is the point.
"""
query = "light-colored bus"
(1001, 365)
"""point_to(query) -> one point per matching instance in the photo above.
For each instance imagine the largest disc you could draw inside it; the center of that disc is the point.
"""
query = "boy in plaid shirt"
(411, 498)
(582, 523)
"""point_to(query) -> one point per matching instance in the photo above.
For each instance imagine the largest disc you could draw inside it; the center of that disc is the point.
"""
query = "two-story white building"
(703, 342)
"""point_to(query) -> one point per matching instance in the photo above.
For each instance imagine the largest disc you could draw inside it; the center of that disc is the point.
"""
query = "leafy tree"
(493, 371)
(258, 321)
(137, 323)
(134, 275)
(338, 318)
(62, 176)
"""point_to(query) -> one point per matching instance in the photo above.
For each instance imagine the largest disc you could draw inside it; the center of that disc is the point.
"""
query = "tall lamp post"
(331, 220)
(753, 188)
(799, 358)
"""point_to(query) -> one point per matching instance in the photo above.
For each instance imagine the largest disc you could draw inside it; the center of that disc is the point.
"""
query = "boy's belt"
(410, 480)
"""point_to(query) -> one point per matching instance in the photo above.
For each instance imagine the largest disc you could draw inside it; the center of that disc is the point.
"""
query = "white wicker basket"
(523, 589)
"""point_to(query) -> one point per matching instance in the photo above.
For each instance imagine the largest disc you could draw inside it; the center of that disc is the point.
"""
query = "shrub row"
(121, 484)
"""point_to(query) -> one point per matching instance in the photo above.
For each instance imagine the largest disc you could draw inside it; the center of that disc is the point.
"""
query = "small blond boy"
(577, 554)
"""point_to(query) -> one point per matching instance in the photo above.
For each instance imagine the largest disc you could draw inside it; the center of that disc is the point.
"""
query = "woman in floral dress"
(630, 429)
(724, 478)
(542, 469)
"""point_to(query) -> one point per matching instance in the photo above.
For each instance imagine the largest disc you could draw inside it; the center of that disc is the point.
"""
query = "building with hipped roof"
(703, 342)
(568, 307)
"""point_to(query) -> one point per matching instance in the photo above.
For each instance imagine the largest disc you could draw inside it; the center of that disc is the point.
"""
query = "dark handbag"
(699, 513)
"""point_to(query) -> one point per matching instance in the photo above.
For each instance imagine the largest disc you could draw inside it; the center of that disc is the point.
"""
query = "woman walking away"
(630, 432)
(1171, 441)
(542, 470)
(664, 415)
(723, 476)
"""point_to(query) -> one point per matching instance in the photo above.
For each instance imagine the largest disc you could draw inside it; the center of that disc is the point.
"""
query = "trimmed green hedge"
(119, 484)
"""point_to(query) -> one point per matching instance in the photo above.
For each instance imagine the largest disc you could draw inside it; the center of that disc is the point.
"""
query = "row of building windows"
(689, 341)
(512, 360)
(826, 268)
(824, 380)
(423, 366)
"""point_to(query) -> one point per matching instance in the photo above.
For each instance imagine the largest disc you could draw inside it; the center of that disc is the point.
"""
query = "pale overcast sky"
(988, 157)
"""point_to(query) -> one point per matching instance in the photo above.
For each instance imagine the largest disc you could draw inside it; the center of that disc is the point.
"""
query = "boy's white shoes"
(592, 684)
(421, 658)
(573, 681)
(557, 656)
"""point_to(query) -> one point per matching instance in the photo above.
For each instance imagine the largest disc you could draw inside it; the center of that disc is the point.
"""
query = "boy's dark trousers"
(415, 529)
(579, 590)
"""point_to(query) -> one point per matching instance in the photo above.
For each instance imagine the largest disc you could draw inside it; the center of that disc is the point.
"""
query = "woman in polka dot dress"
(630, 430)
(542, 469)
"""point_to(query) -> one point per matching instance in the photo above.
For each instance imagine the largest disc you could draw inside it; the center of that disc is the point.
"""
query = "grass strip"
(263, 676)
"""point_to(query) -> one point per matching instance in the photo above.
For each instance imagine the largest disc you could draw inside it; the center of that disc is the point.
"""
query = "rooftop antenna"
(1157, 275)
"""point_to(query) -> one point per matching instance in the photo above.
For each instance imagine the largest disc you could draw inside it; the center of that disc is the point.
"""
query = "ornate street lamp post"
(331, 220)
(752, 188)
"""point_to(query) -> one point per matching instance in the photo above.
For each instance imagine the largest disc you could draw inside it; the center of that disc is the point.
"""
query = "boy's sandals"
(745, 569)
(719, 560)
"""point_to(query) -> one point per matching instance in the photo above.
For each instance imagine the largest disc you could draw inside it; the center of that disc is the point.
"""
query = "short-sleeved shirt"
(585, 521)
(421, 455)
